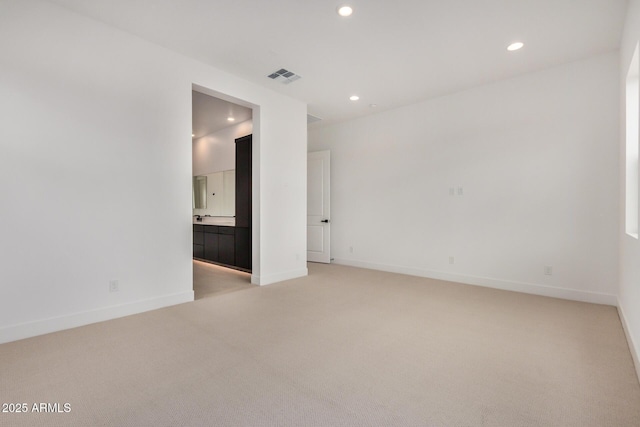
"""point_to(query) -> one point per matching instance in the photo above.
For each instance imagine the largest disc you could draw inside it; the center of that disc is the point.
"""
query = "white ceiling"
(390, 53)
(210, 114)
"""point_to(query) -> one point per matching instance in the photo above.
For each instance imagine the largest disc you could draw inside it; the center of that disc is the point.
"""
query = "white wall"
(283, 187)
(217, 151)
(95, 172)
(537, 161)
(629, 292)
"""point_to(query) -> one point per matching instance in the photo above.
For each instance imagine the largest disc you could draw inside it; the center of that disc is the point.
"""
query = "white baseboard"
(274, 278)
(54, 324)
(633, 348)
(527, 288)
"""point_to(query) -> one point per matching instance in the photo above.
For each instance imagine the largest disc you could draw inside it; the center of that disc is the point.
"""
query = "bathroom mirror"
(219, 196)
(200, 192)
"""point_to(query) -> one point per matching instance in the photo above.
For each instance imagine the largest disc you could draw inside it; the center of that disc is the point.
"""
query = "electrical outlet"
(350, 249)
(548, 270)
(452, 191)
(460, 191)
(114, 286)
(452, 260)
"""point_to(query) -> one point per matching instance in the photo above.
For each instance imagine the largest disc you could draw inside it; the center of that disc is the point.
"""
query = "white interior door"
(318, 207)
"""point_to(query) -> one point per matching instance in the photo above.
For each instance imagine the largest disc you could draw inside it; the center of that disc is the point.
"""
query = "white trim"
(527, 288)
(55, 324)
(633, 348)
(274, 278)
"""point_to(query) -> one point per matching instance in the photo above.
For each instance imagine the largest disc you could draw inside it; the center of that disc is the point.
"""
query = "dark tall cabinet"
(243, 202)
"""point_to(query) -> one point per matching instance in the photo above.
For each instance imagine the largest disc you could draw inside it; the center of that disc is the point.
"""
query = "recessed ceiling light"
(515, 46)
(354, 97)
(230, 119)
(345, 10)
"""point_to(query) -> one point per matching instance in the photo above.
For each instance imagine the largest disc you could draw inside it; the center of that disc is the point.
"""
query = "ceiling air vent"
(284, 76)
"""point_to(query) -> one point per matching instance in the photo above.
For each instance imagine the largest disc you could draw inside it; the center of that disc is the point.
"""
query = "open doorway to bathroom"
(222, 182)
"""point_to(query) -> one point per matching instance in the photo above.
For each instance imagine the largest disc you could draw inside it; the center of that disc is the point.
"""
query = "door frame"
(325, 222)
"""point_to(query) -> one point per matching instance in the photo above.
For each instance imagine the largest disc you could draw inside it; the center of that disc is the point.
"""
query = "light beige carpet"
(342, 347)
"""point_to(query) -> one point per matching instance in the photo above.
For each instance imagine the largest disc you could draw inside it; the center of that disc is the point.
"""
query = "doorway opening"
(222, 196)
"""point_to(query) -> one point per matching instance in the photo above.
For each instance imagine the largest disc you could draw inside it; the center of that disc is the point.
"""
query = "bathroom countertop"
(223, 221)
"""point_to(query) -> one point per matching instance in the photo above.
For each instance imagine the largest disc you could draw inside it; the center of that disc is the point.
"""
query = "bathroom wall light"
(354, 97)
(230, 119)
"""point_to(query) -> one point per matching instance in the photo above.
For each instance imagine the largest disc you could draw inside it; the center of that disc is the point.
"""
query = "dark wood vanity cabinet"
(218, 243)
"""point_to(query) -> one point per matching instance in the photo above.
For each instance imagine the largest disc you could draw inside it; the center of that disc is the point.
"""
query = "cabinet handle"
(325, 221)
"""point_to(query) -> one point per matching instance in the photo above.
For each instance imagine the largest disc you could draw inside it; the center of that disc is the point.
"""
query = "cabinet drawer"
(198, 238)
(198, 251)
(227, 230)
(197, 227)
(211, 229)
(211, 246)
(226, 249)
